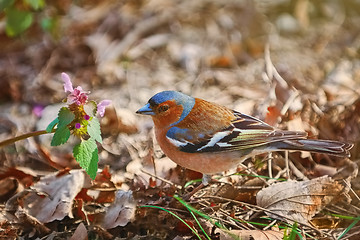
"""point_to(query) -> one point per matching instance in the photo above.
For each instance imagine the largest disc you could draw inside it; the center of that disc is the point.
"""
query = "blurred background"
(127, 51)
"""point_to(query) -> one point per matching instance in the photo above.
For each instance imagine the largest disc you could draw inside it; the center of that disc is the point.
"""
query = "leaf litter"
(296, 201)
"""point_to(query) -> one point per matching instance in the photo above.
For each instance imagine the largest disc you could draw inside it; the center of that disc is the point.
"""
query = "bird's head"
(168, 108)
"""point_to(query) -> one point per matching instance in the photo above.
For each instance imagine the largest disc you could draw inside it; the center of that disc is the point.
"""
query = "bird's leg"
(205, 181)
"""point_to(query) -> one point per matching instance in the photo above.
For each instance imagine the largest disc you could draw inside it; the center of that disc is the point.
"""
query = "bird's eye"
(163, 108)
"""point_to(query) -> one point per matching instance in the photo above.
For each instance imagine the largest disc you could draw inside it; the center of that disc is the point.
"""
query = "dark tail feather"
(335, 148)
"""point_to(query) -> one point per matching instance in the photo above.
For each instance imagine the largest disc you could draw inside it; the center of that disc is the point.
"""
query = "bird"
(210, 138)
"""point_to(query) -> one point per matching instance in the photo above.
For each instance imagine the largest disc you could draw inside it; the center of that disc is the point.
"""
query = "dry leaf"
(296, 124)
(253, 234)
(53, 196)
(80, 233)
(298, 201)
(8, 187)
(338, 81)
(220, 62)
(27, 220)
(273, 115)
(349, 170)
(117, 121)
(22, 174)
(121, 211)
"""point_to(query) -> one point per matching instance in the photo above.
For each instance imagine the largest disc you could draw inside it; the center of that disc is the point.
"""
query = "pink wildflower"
(37, 110)
(101, 107)
(68, 87)
(77, 125)
(76, 95)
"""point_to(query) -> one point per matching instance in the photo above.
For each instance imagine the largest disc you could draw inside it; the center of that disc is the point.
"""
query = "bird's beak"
(146, 110)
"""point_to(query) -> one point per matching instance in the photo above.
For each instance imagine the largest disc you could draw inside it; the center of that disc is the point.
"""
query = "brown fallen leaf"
(220, 62)
(298, 201)
(16, 215)
(80, 233)
(253, 234)
(117, 121)
(121, 212)
(8, 187)
(273, 115)
(24, 175)
(26, 219)
(53, 196)
(13, 180)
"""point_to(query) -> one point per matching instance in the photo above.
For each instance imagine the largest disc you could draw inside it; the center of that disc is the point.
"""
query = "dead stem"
(22, 137)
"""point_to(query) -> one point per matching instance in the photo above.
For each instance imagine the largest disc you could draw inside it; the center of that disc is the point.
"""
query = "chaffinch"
(210, 138)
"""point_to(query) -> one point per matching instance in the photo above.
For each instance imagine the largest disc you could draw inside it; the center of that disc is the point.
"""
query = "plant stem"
(22, 137)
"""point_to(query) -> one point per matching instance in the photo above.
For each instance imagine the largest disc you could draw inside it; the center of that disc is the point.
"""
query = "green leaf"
(62, 133)
(17, 21)
(65, 117)
(51, 126)
(61, 136)
(94, 129)
(5, 4)
(36, 4)
(93, 167)
(86, 154)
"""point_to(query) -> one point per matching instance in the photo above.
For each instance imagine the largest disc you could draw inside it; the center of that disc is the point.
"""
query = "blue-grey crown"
(180, 98)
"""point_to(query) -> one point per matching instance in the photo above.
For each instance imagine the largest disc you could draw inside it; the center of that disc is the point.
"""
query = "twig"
(263, 209)
(161, 179)
(249, 171)
(269, 226)
(352, 190)
(237, 224)
(296, 171)
(289, 101)
(287, 164)
(277, 176)
(22, 137)
(25, 218)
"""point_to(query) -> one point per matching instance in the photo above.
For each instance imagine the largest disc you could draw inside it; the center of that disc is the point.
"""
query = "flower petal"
(68, 87)
(101, 107)
(77, 96)
(37, 110)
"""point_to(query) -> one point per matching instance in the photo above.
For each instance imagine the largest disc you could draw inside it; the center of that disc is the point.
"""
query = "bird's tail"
(335, 148)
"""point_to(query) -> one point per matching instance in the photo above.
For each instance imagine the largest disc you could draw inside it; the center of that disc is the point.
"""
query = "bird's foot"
(205, 181)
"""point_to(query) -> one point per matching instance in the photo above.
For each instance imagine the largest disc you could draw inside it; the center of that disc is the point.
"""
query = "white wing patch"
(215, 139)
(220, 144)
(177, 143)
